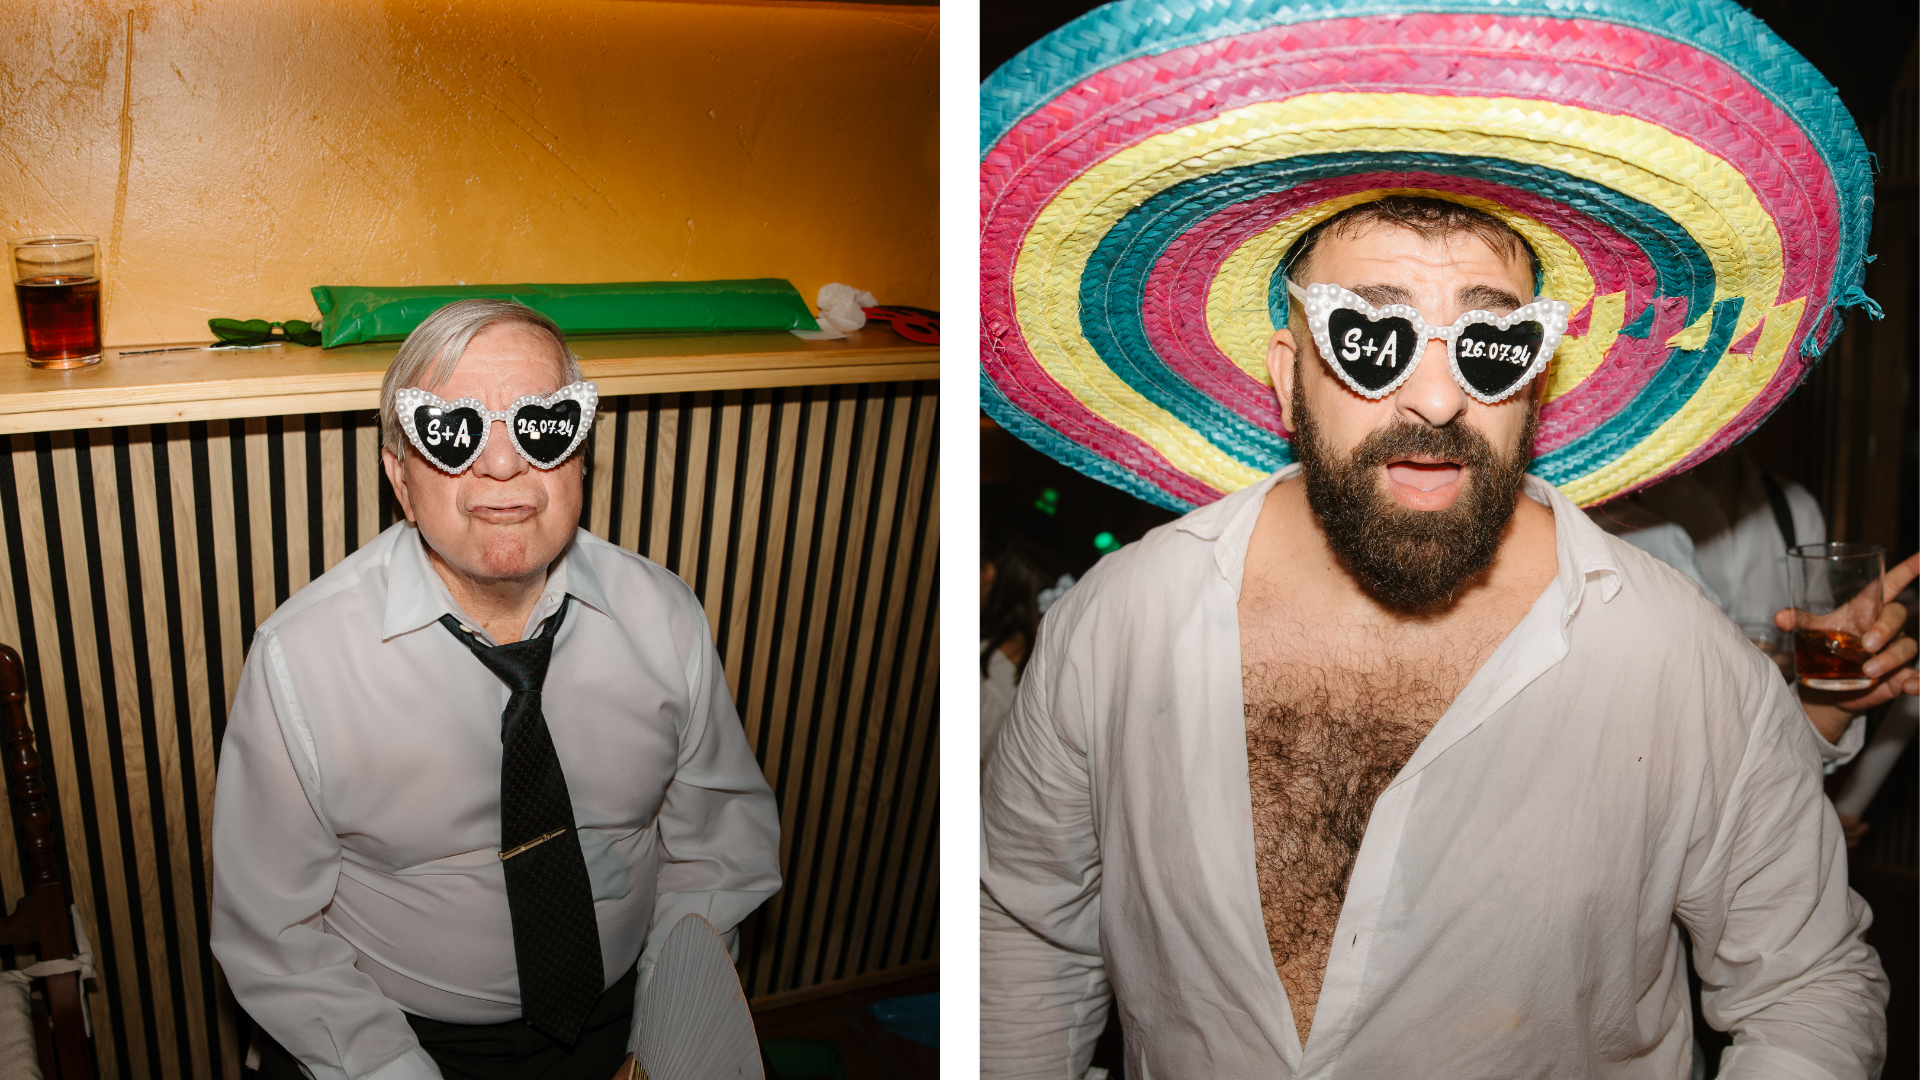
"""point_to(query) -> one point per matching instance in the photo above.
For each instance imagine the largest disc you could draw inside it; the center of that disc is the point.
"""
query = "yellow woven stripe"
(1576, 358)
(1046, 288)
(1237, 312)
(1732, 384)
(1706, 194)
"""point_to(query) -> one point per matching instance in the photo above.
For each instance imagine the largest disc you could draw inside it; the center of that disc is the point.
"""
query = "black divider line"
(644, 542)
(928, 890)
(906, 721)
(884, 619)
(836, 633)
(849, 663)
(213, 634)
(77, 735)
(776, 406)
(934, 833)
(929, 752)
(801, 648)
(277, 513)
(753, 935)
(183, 733)
(926, 756)
(796, 487)
(616, 503)
(134, 559)
(350, 479)
(716, 412)
(29, 655)
(242, 535)
(742, 448)
(677, 508)
(89, 508)
(12, 511)
(316, 502)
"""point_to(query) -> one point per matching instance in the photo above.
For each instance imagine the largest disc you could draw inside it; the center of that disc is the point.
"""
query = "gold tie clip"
(505, 855)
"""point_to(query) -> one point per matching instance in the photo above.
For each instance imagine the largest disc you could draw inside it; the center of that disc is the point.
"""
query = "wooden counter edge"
(94, 410)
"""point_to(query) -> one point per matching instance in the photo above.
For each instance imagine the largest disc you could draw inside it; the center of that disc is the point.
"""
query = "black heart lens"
(1373, 352)
(546, 434)
(1493, 360)
(451, 436)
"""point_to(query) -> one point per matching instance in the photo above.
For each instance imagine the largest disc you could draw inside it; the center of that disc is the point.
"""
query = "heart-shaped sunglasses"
(1373, 350)
(451, 434)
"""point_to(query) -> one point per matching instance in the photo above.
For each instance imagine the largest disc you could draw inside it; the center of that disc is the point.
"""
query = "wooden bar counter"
(132, 385)
(158, 506)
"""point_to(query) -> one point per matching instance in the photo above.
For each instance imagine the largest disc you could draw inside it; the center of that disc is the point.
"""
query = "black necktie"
(556, 940)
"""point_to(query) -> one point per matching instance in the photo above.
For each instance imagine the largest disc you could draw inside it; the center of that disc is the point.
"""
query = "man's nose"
(1430, 395)
(499, 460)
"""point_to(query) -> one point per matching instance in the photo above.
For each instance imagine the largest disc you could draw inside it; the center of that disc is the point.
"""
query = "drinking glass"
(1836, 600)
(58, 288)
(1776, 643)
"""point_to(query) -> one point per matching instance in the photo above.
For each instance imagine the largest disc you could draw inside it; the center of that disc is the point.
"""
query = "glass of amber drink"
(1836, 600)
(56, 283)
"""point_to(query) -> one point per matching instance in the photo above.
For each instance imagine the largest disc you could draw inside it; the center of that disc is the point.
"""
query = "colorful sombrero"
(1693, 187)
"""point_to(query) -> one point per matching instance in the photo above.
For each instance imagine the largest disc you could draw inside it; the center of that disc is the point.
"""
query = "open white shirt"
(356, 823)
(1625, 765)
(1741, 564)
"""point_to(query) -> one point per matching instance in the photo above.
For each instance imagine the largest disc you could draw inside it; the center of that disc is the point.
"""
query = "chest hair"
(1327, 731)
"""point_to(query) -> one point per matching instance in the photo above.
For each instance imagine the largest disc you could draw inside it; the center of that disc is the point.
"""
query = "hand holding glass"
(1837, 597)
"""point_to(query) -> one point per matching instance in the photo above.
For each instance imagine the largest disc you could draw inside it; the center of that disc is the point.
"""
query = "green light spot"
(1105, 542)
(1048, 503)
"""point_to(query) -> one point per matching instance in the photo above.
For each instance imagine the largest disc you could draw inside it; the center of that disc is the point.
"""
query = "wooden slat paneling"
(135, 563)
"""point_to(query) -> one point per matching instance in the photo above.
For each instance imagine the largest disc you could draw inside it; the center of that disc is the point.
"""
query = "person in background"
(1014, 575)
(1728, 524)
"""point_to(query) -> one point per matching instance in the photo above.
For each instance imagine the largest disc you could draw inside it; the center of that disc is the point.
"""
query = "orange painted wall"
(232, 153)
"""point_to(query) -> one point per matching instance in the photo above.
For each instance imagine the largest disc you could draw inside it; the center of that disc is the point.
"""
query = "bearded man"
(1384, 760)
(1550, 749)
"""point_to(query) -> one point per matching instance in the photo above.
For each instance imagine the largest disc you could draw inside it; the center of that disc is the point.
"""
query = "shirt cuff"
(415, 1064)
(1835, 754)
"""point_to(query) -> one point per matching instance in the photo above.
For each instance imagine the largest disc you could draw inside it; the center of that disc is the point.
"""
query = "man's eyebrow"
(1488, 298)
(1382, 295)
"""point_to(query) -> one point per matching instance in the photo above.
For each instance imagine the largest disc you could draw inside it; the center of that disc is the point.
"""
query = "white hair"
(429, 355)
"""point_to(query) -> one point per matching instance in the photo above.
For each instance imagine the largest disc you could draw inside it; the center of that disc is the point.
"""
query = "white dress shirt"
(356, 823)
(1622, 767)
(1741, 564)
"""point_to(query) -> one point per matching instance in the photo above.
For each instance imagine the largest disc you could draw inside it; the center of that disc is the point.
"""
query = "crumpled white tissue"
(840, 312)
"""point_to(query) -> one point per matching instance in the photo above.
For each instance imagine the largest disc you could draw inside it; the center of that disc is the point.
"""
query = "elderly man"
(476, 771)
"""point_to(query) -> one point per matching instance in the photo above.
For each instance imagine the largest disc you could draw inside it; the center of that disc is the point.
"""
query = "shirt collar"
(416, 596)
(1580, 547)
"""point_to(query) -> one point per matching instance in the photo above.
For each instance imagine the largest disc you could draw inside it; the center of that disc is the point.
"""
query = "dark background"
(1848, 434)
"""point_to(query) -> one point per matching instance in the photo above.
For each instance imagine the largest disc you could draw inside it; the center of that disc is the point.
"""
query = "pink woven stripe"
(1175, 310)
(1005, 359)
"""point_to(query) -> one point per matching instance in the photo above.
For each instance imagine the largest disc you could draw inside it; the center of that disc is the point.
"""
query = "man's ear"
(1281, 355)
(396, 475)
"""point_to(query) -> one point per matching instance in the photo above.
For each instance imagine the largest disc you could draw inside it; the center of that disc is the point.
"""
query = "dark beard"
(1412, 560)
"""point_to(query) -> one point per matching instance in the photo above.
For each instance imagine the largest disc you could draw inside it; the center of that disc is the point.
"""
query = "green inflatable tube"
(352, 314)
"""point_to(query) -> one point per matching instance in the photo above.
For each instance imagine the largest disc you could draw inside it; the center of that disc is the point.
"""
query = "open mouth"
(1423, 484)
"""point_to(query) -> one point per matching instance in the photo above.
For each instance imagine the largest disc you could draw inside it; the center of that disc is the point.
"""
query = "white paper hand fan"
(694, 1022)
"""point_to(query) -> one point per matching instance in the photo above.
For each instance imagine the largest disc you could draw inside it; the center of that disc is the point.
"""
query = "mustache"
(1458, 443)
